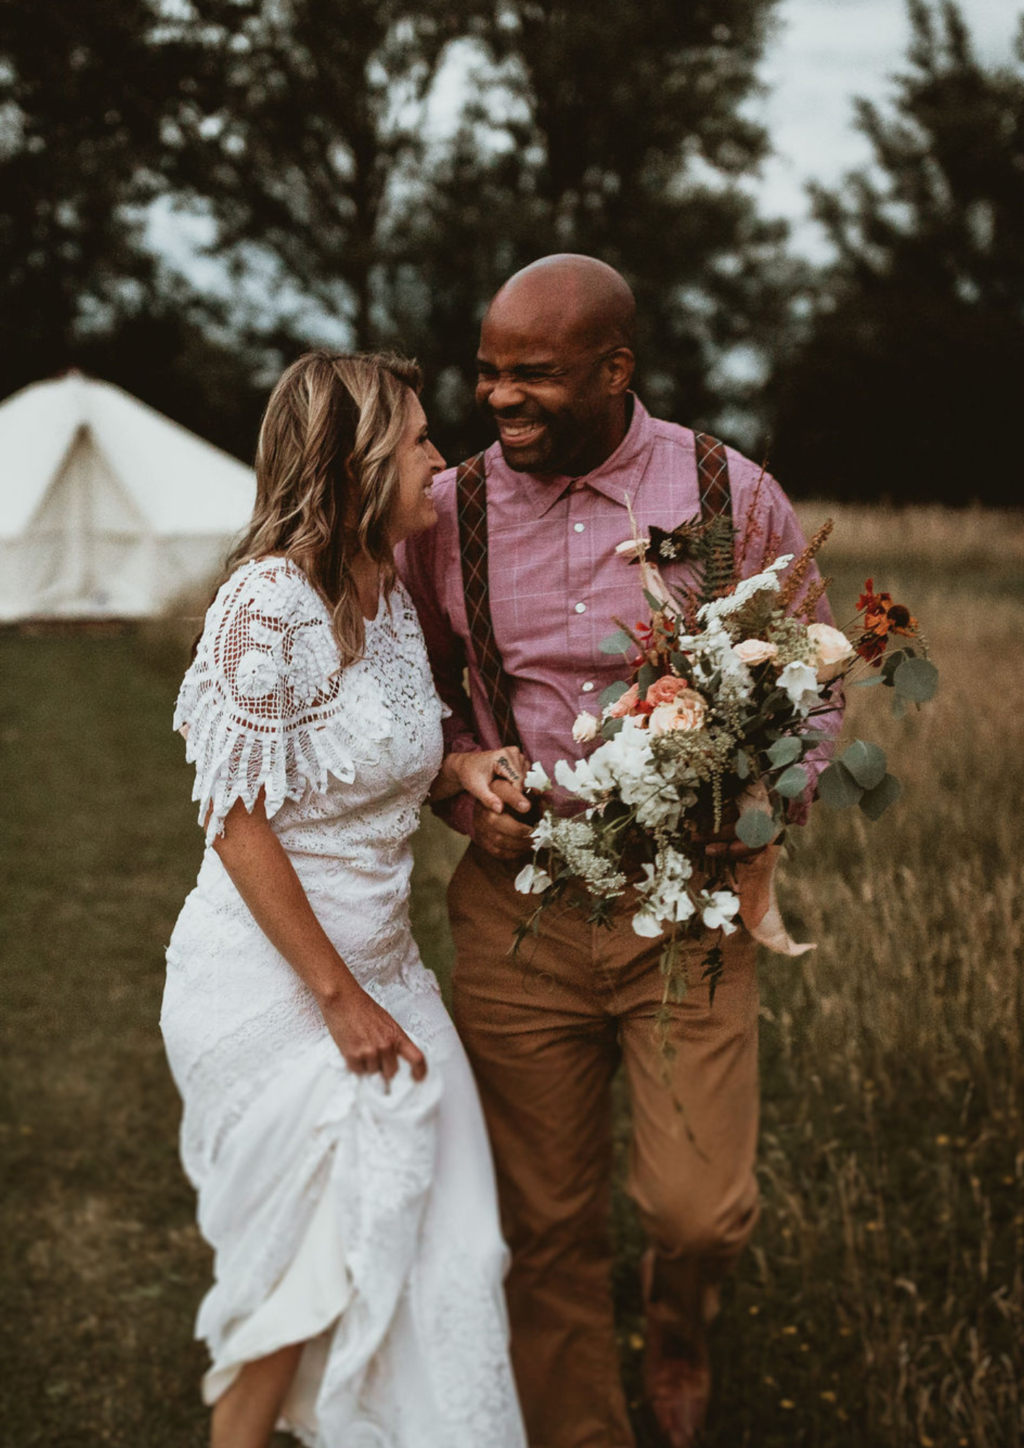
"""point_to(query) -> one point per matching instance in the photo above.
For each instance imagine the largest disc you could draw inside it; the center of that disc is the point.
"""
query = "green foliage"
(616, 643)
(756, 828)
(792, 782)
(907, 382)
(866, 762)
(837, 786)
(874, 802)
(785, 751)
(917, 680)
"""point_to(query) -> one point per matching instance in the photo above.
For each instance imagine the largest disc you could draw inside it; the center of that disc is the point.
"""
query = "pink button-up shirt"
(557, 584)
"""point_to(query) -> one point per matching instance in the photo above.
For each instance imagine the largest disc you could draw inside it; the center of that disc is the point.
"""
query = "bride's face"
(418, 461)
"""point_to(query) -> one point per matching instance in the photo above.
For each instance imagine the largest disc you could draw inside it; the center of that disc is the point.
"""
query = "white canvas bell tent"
(107, 508)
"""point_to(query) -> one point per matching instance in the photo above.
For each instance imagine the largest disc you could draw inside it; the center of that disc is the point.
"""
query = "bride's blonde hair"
(327, 475)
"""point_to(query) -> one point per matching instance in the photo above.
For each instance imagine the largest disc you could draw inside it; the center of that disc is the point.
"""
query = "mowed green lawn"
(882, 1302)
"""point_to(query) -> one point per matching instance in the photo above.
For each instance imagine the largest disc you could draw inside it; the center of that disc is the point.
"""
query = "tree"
(76, 102)
(907, 382)
(616, 131)
(302, 120)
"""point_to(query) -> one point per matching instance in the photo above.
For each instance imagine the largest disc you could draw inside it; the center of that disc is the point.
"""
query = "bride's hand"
(475, 772)
(369, 1039)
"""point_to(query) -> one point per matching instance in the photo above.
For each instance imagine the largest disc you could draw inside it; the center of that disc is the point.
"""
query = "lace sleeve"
(260, 695)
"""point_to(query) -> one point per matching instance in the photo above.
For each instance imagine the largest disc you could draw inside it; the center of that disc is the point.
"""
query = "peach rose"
(831, 650)
(665, 689)
(755, 651)
(624, 703)
(686, 711)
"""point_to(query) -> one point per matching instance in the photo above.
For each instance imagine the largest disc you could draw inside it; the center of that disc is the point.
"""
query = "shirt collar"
(618, 475)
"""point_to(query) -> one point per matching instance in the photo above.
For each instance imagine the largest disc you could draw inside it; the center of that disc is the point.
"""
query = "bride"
(331, 1125)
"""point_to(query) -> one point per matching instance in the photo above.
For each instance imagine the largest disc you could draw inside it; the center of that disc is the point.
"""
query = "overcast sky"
(827, 52)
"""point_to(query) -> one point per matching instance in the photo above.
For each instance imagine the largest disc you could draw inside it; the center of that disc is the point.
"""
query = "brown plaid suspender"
(712, 477)
(471, 495)
(471, 500)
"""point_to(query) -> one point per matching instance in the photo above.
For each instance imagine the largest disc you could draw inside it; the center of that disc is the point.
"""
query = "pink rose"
(624, 703)
(686, 711)
(665, 689)
(755, 651)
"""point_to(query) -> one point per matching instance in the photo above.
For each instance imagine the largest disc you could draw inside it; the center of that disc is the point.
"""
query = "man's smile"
(519, 432)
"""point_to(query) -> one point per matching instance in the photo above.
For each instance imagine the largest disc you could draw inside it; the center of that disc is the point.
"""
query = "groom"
(517, 585)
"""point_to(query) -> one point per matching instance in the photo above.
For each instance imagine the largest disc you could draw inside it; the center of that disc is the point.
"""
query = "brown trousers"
(545, 1034)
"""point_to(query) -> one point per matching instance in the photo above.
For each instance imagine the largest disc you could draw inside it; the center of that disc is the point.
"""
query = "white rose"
(755, 651)
(800, 682)
(831, 649)
(585, 727)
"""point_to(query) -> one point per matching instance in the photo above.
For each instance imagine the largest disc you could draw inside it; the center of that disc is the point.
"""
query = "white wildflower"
(532, 880)
(536, 778)
(800, 683)
(745, 590)
(718, 909)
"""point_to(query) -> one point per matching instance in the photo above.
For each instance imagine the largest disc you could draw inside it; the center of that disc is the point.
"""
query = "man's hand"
(502, 835)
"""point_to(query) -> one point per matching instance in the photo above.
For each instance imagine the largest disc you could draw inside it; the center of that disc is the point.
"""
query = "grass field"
(882, 1302)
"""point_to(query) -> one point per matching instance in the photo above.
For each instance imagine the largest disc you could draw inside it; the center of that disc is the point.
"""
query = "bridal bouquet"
(729, 680)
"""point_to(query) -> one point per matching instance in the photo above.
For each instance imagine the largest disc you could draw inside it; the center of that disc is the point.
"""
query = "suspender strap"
(471, 494)
(712, 477)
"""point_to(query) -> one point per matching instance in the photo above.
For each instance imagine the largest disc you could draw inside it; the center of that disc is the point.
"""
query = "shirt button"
(581, 608)
(578, 527)
(588, 687)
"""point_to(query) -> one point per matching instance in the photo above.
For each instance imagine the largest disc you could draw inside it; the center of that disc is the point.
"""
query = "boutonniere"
(670, 545)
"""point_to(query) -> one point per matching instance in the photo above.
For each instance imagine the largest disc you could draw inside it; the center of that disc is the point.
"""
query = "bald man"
(546, 1037)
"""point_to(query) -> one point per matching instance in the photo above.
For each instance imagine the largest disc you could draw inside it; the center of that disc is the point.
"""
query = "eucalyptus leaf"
(613, 692)
(755, 828)
(646, 678)
(742, 765)
(792, 781)
(654, 603)
(876, 801)
(682, 666)
(785, 751)
(871, 683)
(616, 643)
(837, 786)
(611, 727)
(916, 679)
(891, 663)
(866, 762)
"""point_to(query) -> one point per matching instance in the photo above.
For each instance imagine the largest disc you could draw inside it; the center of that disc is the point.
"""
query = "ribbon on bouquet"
(755, 885)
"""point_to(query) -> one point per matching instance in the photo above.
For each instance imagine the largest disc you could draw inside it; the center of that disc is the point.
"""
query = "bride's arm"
(473, 772)
(368, 1038)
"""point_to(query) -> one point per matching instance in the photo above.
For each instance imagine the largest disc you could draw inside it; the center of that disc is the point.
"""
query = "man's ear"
(619, 367)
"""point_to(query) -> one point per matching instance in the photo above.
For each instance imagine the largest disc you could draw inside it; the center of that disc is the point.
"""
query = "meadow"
(882, 1302)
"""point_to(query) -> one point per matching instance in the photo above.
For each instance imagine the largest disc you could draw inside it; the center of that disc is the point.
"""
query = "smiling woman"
(331, 1125)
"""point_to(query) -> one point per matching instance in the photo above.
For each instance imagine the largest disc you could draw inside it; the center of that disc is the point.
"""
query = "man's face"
(548, 393)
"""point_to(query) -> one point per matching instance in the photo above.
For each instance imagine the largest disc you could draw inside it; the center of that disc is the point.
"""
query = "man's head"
(555, 364)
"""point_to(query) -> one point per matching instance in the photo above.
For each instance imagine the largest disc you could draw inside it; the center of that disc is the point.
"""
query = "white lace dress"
(361, 1222)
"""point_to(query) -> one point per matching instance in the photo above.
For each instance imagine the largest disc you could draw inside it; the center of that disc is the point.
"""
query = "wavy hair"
(327, 475)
